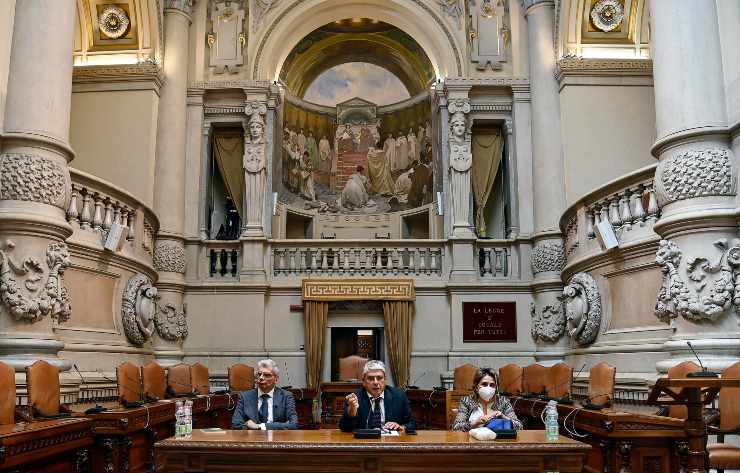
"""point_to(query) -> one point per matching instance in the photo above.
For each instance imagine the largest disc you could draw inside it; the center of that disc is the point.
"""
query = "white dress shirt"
(381, 400)
(269, 405)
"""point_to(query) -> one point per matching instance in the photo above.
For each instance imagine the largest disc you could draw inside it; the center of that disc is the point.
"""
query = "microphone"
(93, 410)
(588, 405)
(171, 393)
(413, 383)
(703, 373)
(287, 375)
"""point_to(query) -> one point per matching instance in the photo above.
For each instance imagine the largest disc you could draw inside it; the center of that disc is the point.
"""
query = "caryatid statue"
(461, 159)
(255, 172)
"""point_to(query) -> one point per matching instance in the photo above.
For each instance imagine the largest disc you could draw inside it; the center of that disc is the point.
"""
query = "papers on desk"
(389, 433)
(213, 430)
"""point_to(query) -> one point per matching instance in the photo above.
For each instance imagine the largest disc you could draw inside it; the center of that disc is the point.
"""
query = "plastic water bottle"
(181, 430)
(551, 422)
(189, 417)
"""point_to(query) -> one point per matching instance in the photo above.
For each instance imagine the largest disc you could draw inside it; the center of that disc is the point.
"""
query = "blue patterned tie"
(375, 420)
(264, 413)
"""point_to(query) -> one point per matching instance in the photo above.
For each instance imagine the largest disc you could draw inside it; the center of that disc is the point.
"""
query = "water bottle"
(180, 427)
(189, 417)
(551, 422)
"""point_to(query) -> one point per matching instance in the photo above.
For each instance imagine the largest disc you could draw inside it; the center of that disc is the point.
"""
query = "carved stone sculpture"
(461, 158)
(696, 173)
(138, 309)
(582, 308)
(171, 324)
(33, 178)
(260, 9)
(549, 325)
(227, 37)
(113, 21)
(548, 256)
(607, 15)
(452, 8)
(488, 33)
(710, 289)
(31, 302)
(255, 176)
(169, 256)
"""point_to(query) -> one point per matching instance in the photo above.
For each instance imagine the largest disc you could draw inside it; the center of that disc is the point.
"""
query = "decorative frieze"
(696, 173)
(185, 6)
(172, 324)
(710, 287)
(26, 300)
(260, 9)
(548, 325)
(138, 309)
(548, 256)
(453, 9)
(582, 308)
(528, 3)
(33, 178)
(358, 289)
(169, 256)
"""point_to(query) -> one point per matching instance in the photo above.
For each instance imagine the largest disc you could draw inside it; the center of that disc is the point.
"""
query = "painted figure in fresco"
(402, 152)
(403, 184)
(313, 150)
(379, 172)
(420, 181)
(413, 146)
(324, 154)
(389, 150)
(301, 140)
(346, 141)
(354, 194)
(366, 140)
(294, 175)
(421, 138)
(306, 177)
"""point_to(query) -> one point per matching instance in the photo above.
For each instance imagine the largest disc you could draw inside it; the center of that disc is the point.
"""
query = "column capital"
(527, 4)
(185, 6)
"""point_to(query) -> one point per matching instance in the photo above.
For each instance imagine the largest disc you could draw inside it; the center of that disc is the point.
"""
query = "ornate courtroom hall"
(369, 236)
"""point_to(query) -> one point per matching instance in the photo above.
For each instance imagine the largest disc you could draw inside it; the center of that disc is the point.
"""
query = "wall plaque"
(489, 321)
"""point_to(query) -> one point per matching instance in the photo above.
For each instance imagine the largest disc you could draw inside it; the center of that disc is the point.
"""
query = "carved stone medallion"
(607, 15)
(549, 325)
(113, 21)
(548, 256)
(138, 309)
(169, 256)
(582, 308)
(171, 323)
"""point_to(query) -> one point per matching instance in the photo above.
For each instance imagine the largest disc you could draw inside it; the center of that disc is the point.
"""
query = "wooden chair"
(510, 379)
(179, 380)
(42, 381)
(128, 379)
(559, 380)
(463, 377)
(350, 367)
(680, 371)
(601, 380)
(724, 456)
(200, 379)
(7, 394)
(152, 377)
(534, 379)
(241, 377)
(452, 402)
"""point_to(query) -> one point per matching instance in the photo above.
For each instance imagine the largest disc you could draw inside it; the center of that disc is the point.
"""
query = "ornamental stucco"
(582, 308)
(138, 308)
(172, 324)
(548, 256)
(33, 178)
(548, 325)
(169, 256)
(697, 173)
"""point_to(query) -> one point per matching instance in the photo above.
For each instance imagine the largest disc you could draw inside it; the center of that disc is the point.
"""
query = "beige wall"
(114, 135)
(7, 9)
(607, 132)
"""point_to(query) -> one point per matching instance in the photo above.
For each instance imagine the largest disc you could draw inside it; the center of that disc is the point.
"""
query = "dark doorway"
(346, 341)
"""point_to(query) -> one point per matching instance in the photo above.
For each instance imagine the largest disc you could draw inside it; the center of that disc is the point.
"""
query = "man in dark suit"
(267, 407)
(376, 405)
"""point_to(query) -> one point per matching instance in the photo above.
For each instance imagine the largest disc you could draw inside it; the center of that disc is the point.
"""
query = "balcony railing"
(494, 258)
(95, 205)
(417, 258)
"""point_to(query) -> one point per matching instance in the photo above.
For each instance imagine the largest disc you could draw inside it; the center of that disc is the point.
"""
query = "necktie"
(374, 421)
(264, 413)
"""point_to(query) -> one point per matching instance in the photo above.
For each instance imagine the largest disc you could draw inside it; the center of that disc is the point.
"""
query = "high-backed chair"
(128, 379)
(535, 379)
(241, 377)
(200, 381)
(559, 380)
(601, 379)
(42, 379)
(680, 371)
(725, 456)
(152, 377)
(351, 367)
(7, 394)
(510, 379)
(462, 379)
(179, 380)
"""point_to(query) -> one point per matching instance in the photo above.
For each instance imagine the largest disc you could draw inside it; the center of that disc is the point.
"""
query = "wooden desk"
(622, 441)
(54, 445)
(332, 450)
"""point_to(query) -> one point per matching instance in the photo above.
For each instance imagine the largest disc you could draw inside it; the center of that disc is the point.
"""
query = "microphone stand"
(703, 373)
(93, 410)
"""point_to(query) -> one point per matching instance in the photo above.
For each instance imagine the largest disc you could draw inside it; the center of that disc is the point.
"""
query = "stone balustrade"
(494, 257)
(417, 258)
(95, 205)
(628, 203)
(224, 259)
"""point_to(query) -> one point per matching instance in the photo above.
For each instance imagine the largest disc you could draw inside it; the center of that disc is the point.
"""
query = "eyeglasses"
(263, 375)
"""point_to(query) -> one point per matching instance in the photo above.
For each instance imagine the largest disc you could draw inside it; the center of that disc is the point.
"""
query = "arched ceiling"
(357, 40)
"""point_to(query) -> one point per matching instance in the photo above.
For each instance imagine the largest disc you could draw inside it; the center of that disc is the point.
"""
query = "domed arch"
(289, 28)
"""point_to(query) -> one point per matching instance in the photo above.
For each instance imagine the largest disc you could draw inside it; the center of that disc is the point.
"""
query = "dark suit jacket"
(283, 411)
(397, 409)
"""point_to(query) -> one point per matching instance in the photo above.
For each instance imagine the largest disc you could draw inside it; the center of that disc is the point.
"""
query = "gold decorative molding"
(358, 289)
(603, 67)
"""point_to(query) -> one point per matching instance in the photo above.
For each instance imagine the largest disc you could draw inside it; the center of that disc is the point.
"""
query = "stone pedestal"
(35, 183)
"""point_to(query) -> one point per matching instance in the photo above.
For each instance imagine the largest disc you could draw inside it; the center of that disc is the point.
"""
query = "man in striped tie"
(376, 405)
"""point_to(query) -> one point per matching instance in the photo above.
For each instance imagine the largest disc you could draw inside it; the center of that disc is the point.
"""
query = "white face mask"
(486, 393)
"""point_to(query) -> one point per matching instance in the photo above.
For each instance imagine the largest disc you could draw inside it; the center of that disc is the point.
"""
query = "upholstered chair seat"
(726, 456)
(601, 379)
(179, 380)
(241, 377)
(559, 380)
(510, 379)
(462, 379)
(128, 379)
(535, 379)
(7, 394)
(350, 367)
(42, 379)
(153, 379)
(200, 380)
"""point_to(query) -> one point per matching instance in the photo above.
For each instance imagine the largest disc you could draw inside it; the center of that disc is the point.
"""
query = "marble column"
(169, 179)
(35, 183)
(548, 257)
(696, 186)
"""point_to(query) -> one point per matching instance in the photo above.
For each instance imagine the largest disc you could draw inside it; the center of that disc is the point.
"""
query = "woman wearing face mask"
(483, 405)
